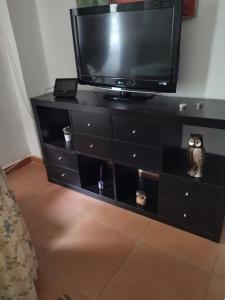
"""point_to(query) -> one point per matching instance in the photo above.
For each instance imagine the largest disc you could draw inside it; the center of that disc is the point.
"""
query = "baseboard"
(32, 159)
(36, 160)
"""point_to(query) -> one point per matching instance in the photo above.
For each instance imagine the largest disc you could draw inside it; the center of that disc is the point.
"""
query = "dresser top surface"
(158, 105)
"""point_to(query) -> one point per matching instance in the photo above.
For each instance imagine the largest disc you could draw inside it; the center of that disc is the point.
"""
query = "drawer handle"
(91, 146)
(187, 194)
(134, 131)
(134, 155)
(63, 174)
(182, 106)
(199, 105)
(60, 157)
(89, 124)
(185, 215)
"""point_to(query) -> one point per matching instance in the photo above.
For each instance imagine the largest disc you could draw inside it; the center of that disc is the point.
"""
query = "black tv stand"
(128, 96)
(123, 137)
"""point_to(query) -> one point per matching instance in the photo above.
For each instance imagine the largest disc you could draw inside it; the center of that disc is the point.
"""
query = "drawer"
(194, 218)
(136, 131)
(137, 156)
(182, 192)
(94, 146)
(61, 158)
(64, 175)
(92, 124)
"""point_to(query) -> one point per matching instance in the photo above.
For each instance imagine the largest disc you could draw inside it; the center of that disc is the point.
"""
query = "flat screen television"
(132, 46)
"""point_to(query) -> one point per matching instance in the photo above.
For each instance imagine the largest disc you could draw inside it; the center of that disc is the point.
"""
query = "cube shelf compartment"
(52, 121)
(89, 169)
(127, 185)
(175, 163)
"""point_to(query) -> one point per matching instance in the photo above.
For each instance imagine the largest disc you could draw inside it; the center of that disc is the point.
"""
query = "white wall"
(13, 144)
(25, 22)
(202, 61)
(26, 28)
(196, 49)
(202, 66)
(216, 79)
(202, 46)
(57, 37)
(44, 42)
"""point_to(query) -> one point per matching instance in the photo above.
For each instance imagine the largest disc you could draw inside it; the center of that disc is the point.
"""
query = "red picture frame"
(189, 8)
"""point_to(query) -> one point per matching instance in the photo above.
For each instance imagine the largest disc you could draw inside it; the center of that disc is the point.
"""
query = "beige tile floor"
(88, 249)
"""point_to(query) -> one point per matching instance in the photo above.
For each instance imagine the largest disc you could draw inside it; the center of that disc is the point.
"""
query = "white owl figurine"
(196, 155)
(141, 198)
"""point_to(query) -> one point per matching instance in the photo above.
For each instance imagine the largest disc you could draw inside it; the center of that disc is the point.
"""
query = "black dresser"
(122, 137)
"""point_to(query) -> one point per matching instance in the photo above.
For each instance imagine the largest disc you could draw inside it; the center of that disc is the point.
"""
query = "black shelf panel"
(52, 121)
(151, 204)
(108, 190)
(127, 182)
(60, 143)
(175, 163)
(89, 169)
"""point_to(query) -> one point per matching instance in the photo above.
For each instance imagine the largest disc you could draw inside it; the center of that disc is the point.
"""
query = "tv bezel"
(130, 83)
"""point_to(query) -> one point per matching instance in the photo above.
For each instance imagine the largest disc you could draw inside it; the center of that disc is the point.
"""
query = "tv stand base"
(128, 96)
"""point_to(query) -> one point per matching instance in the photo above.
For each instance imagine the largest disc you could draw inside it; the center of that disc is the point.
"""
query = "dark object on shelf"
(141, 196)
(196, 155)
(101, 183)
(67, 133)
(65, 87)
(130, 54)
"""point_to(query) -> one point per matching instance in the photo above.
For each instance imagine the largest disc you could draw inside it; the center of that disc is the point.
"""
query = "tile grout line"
(71, 227)
(111, 227)
(211, 275)
(138, 241)
(219, 277)
(83, 217)
(62, 234)
(187, 264)
(58, 278)
(178, 259)
(116, 272)
(146, 229)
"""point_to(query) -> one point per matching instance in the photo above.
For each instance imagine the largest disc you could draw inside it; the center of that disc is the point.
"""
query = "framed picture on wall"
(86, 3)
(189, 8)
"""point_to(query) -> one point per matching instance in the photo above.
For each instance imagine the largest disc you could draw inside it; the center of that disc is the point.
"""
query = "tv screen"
(128, 46)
